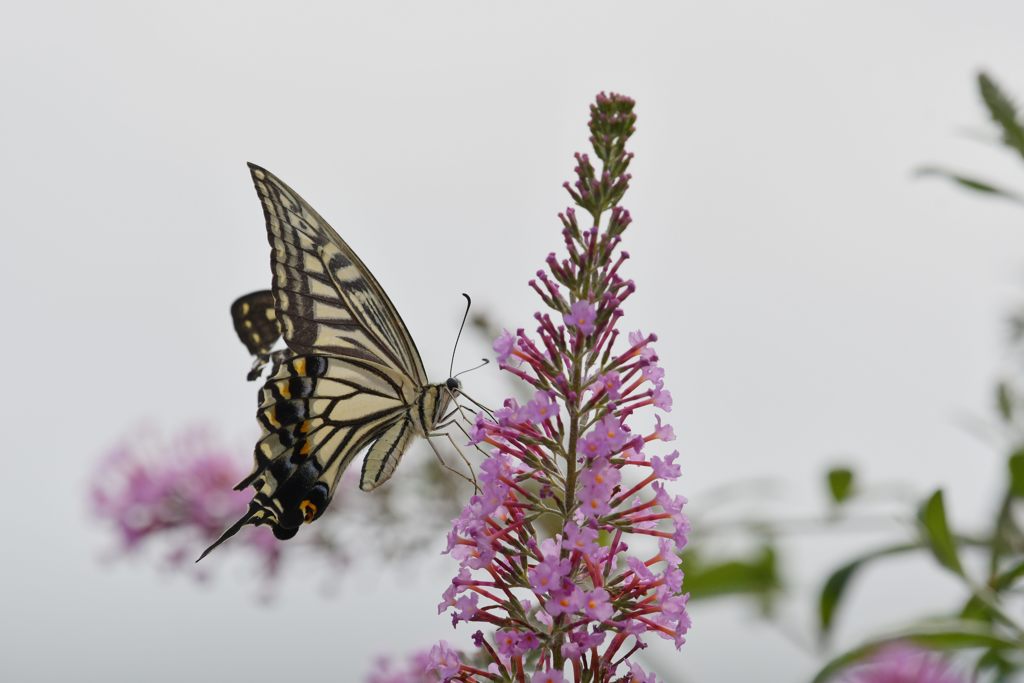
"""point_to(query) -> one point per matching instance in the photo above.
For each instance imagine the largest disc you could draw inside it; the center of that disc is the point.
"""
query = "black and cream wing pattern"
(255, 320)
(352, 378)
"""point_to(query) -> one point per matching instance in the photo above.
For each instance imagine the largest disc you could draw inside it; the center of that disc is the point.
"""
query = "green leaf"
(835, 586)
(1008, 578)
(994, 663)
(757, 576)
(1016, 466)
(1004, 401)
(1003, 112)
(950, 635)
(840, 483)
(970, 183)
(975, 609)
(935, 530)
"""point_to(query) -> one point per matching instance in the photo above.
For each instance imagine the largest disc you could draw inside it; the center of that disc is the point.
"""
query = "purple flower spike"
(575, 453)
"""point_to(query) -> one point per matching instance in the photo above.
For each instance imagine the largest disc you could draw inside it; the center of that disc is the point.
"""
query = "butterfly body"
(351, 377)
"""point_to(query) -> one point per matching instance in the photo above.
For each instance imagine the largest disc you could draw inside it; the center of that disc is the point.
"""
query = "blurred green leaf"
(995, 666)
(840, 483)
(935, 527)
(1008, 578)
(951, 635)
(1004, 401)
(1016, 466)
(757, 576)
(969, 183)
(1003, 112)
(836, 584)
(975, 609)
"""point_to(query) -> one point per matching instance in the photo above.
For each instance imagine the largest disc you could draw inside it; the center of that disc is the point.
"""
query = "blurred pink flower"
(904, 663)
(414, 670)
(179, 488)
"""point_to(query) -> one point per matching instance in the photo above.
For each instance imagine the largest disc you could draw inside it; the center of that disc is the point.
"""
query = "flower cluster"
(418, 668)
(904, 663)
(570, 550)
(181, 490)
(178, 494)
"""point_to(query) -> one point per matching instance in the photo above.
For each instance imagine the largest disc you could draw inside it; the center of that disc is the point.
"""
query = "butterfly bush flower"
(177, 494)
(904, 663)
(569, 553)
(179, 489)
(419, 668)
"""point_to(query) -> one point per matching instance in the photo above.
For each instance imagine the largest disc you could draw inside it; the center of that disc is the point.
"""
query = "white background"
(814, 301)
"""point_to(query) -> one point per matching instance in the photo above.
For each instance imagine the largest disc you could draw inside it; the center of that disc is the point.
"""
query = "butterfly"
(351, 376)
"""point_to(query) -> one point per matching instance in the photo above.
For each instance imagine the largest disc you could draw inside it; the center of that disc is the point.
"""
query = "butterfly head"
(454, 385)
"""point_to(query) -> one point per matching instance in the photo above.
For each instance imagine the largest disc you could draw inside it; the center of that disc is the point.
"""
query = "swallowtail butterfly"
(351, 376)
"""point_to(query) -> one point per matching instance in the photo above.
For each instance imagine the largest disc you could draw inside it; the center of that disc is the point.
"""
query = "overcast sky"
(813, 300)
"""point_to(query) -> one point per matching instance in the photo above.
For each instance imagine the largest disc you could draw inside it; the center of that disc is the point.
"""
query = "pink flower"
(564, 601)
(663, 432)
(610, 383)
(594, 444)
(638, 675)
(547, 677)
(540, 408)
(582, 539)
(597, 606)
(662, 399)
(581, 315)
(614, 432)
(665, 468)
(444, 661)
(904, 663)
(504, 345)
(179, 489)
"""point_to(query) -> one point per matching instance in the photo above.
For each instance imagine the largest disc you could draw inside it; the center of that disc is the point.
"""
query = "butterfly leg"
(481, 406)
(258, 364)
(448, 467)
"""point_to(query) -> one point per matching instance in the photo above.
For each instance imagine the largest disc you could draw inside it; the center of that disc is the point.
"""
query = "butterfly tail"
(250, 517)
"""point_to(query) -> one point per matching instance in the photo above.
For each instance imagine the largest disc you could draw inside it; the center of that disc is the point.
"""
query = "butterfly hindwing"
(256, 321)
(317, 413)
(382, 459)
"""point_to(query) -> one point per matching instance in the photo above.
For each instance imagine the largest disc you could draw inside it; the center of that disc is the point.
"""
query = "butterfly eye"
(308, 511)
(453, 384)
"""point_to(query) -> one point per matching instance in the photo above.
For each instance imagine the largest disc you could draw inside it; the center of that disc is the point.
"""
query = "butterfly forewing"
(328, 301)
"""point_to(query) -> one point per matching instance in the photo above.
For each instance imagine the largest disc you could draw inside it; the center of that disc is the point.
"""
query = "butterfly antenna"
(485, 362)
(469, 302)
(232, 530)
